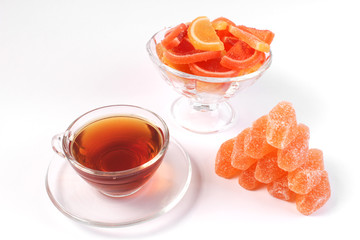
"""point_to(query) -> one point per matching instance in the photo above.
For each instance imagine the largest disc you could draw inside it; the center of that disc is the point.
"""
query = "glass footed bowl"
(203, 108)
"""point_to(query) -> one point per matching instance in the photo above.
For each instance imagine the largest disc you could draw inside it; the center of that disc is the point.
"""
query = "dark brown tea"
(117, 143)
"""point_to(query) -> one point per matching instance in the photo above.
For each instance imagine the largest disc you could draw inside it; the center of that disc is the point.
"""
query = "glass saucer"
(78, 200)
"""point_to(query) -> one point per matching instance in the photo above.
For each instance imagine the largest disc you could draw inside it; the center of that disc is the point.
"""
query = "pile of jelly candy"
(217, 48)
(275, 152)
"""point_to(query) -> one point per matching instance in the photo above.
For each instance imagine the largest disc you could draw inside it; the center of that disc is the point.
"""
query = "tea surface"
(117, 143)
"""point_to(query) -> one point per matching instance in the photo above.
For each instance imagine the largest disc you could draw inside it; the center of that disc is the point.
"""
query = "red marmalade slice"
(212, 68)
(185, 53)
(241, 56)
(174, 36)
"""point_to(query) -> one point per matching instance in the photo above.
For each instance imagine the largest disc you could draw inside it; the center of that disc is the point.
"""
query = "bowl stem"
(200, 117)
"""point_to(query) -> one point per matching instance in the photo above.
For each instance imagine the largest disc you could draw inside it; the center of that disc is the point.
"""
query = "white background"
(59, 59)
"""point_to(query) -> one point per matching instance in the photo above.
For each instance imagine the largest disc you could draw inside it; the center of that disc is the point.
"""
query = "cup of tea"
(116, 148)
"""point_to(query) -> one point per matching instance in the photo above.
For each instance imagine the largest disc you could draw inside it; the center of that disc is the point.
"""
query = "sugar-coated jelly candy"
(281, 126)
(306, 177)
(319, 195)
(279, 189)
(255, 144)
(295, 153)
(305, 180)
(238, 158)
(267, 169)
(315, 159)
(247, 179)
(223, 166)
(275, 151)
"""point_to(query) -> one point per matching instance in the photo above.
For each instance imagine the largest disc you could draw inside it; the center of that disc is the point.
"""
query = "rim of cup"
(159, 155)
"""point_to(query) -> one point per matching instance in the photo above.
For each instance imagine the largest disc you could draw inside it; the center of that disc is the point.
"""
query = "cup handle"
(56, 144)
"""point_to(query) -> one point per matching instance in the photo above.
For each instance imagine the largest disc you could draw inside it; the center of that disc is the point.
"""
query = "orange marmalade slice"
(222, 23)
(264, 35)
(203, 36)
(250, 39)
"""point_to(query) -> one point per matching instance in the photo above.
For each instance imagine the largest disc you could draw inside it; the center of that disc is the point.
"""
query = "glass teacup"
(116, 148)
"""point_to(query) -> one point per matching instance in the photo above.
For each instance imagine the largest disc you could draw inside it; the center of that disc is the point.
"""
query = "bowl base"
(202, 118)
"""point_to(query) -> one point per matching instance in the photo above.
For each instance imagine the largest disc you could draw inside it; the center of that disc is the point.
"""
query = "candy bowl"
(203, 106)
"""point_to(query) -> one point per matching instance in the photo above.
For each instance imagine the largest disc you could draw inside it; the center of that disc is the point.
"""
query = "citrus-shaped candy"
(229, 42)
(185, 53)
(174, 36)
(160, 49)
(250, 39)
(254, 68)
(241, 56)
(212, 68)
(203, 36)
(180, 67)
(264, 35)
(222, 23)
